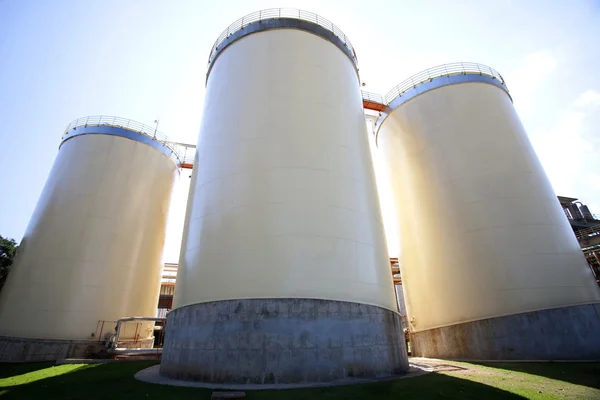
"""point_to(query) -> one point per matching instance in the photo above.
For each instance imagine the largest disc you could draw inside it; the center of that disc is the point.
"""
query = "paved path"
(151, 375)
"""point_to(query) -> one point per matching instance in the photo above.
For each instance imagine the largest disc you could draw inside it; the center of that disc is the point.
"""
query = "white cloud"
(568, 151)
(534, 71)
(590, 97)
(540, 63)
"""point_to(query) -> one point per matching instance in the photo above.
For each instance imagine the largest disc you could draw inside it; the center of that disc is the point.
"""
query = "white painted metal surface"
(92, 250)
(483, 234)
(284, 204)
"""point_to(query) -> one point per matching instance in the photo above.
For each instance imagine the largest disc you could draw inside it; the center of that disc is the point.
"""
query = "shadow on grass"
(429, 386)
(94, 381)
(116, 381)
(584, 374)
(12, 369)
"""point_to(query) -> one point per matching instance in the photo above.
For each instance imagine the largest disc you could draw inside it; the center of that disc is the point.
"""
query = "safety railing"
(461, 68)
(187, 153)
(279, 13)
(131, 125)
(372, 97)
(587, 233)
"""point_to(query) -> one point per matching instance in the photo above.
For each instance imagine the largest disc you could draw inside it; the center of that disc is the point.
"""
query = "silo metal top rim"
(126, 128)
(277, 14)
(458, 68)
(433, 78)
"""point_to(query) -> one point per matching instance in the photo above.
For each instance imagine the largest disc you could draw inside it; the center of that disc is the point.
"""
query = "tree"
(8, 250)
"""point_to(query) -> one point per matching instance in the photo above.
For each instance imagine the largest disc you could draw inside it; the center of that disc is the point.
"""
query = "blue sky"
(144, 59)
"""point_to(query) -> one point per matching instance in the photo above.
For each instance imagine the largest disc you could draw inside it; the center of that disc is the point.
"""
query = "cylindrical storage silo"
(284, 274)
(490, 266)
(92, 251)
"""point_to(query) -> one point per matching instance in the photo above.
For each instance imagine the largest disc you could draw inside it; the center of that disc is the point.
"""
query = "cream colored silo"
(490, 266)
(92, 251)
(283, 255)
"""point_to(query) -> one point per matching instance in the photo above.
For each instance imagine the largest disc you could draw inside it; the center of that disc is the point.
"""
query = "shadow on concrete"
(583, 373)
(116, 381)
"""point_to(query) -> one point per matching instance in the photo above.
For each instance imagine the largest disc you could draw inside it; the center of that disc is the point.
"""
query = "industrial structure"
(167, 289)
(284, 275)
(284, 236)
(505, 258)
(587, 230)
(92, 251)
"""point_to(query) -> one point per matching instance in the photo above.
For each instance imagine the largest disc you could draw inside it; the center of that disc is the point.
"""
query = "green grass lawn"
(452, 380)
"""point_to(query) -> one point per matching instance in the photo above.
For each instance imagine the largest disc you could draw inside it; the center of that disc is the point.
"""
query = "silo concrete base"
(15, 349)
(282, 341)
(566, 333)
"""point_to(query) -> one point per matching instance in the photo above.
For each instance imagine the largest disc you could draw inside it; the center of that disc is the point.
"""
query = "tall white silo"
(92, 251)
(490, 266)
(284, 274)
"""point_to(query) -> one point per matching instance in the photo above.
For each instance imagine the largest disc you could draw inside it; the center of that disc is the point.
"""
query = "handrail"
(587, 232)
(130, 319)
(372, 97)
(459, 68)
(279, 13)
(177, 149)
(187, 153)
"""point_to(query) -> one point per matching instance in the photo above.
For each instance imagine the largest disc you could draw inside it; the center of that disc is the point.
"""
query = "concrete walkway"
(151, 375)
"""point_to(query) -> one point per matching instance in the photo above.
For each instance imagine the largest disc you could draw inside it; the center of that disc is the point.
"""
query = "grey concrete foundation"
(275, 341)
(566, 333)
(14, 349)
(151, 375)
